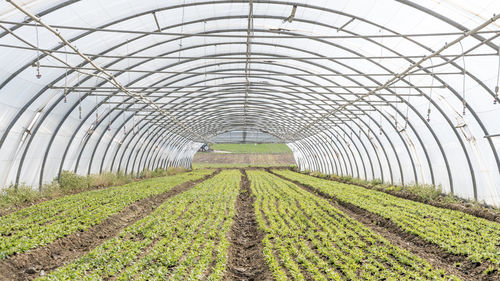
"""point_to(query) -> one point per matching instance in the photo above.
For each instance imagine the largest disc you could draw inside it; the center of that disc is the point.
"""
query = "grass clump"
(16, 196)
(109, 179)
(70, 182)
(160, 172)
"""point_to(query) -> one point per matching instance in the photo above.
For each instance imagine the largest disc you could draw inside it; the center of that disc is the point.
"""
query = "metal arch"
(138, 151)
(323, 148)
(443, 18)
(307, 159)
(156, 145)
(374, 121)
(163, 152)
(148, 147)
(328, 164)
(175, 141)
(315, 154)
(410, 154)
(318, 151)
(297, 155)
(342, 144)
(358, 152)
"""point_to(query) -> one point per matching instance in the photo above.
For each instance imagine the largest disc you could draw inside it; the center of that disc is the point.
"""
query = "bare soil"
(432, 253)
(238, 158)
(245, 258)
(39, 261)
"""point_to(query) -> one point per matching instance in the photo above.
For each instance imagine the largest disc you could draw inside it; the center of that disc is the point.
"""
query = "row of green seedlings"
(183, 239)
(69, 183)
(307, 238)
(453, 231)
(43, 223)
(426, 192)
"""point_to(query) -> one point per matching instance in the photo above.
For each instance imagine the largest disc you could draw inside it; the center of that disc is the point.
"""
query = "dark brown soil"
(432, 253)
(241, 158)
(39, 261)
(246, 260)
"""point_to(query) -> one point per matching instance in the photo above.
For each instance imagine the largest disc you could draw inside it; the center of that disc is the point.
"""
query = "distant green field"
(261, 148)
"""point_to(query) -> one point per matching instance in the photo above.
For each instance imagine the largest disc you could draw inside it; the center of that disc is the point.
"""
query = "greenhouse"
(249, 140)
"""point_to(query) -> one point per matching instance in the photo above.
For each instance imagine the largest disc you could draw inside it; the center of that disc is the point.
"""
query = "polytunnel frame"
(230, 69)
(406, 2)
(374, 120)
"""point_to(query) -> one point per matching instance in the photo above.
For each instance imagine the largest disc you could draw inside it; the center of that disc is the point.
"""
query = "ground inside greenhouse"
(246, 260)
(213, 159)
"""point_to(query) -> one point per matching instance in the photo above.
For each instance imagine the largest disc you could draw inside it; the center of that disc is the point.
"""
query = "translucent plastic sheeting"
(302, 71)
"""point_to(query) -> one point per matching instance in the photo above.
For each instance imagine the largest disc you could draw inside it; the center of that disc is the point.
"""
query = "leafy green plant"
(305, 233)
(184, 238)
(454, 231)
(43, 223)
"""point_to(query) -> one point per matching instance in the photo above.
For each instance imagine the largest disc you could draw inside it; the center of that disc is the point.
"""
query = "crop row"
(307, 238)
(43, 223)
(454, 231)
(183, 239)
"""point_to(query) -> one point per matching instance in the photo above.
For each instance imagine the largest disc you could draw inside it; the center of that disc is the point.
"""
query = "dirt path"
(432, 253)
(39, 261)
(246, 259)
(242, 158)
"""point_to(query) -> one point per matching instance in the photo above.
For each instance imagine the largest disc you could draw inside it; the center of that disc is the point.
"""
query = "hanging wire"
(430, 93)
(109, 118)
(380, 123)
(123, 118)
(369, 120)
(38, 74)
(133, 120)
(96, 102)
(205, 49)
(408, 104)
(498, 78)
(396, 113)
(182, 29)
(463, 85)
(79, 97)
(128, 63)
(66, 77)
(381, 45)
